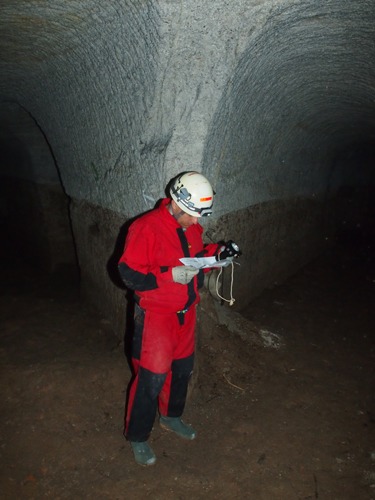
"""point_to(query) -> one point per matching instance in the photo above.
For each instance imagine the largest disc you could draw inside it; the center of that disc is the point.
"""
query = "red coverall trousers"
(162, 358)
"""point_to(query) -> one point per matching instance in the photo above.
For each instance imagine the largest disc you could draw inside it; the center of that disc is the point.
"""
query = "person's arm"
(136, 266)
(222, 250)
(226, 249)
(136, 280)
(211, 249)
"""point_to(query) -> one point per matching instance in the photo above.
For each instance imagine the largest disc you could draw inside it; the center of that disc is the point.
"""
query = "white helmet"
(193, 194)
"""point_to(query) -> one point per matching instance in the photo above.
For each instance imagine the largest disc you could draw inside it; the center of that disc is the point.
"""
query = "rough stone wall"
(301, 92)
(277, 238)
(269, 99)
(128, 92)
(86, 72)
(100, 236)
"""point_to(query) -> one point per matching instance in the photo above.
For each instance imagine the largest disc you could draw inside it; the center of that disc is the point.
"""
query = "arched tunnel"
(101, 104)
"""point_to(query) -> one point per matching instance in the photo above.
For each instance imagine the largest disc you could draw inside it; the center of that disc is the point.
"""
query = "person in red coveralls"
(166, 294)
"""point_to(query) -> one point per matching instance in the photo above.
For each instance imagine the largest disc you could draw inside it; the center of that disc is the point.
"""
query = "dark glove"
(230, 249)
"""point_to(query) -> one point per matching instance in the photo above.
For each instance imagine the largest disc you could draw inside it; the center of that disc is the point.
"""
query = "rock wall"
(105, 102)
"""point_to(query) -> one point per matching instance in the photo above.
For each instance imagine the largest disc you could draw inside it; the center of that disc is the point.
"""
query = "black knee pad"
(183, 367)
(151, 382)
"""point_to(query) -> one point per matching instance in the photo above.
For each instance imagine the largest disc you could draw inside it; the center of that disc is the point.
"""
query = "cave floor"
(295, 422)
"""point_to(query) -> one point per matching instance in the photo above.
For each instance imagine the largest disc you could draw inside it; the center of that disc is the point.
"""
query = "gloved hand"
(229, 250)
(183, 274)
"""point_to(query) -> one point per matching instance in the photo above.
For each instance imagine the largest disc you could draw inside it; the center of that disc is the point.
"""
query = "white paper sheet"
(204, 262)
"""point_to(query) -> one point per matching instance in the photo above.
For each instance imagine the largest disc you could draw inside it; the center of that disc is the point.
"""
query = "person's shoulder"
(140, 221)
(147, 218)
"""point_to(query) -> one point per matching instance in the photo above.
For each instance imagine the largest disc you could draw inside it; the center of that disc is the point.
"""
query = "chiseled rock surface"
(258, 95)
(272, 100)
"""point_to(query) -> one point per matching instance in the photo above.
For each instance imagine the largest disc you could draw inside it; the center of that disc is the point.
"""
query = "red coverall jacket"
(154, 245)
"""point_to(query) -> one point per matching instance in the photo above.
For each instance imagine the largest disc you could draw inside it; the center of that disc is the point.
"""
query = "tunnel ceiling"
(302, 93)
(85, 72)
(266, 98)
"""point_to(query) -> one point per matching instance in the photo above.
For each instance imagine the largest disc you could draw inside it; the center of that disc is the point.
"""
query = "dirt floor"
(290, 423)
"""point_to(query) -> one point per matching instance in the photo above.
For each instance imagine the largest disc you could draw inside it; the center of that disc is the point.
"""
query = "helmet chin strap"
(175, 215)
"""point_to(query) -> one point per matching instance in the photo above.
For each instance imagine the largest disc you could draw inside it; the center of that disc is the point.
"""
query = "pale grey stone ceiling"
(263, 97)
(85, 71)
(302, 92)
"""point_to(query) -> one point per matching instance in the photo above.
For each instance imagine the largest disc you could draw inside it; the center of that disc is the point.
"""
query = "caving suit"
(165, 316)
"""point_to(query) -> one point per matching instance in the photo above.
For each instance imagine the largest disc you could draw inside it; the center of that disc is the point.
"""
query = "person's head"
(192, 197)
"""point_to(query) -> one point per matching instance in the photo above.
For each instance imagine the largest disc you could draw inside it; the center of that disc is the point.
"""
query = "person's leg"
(142, 405)
(153, 348)
(172, 398)
(142, 412)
